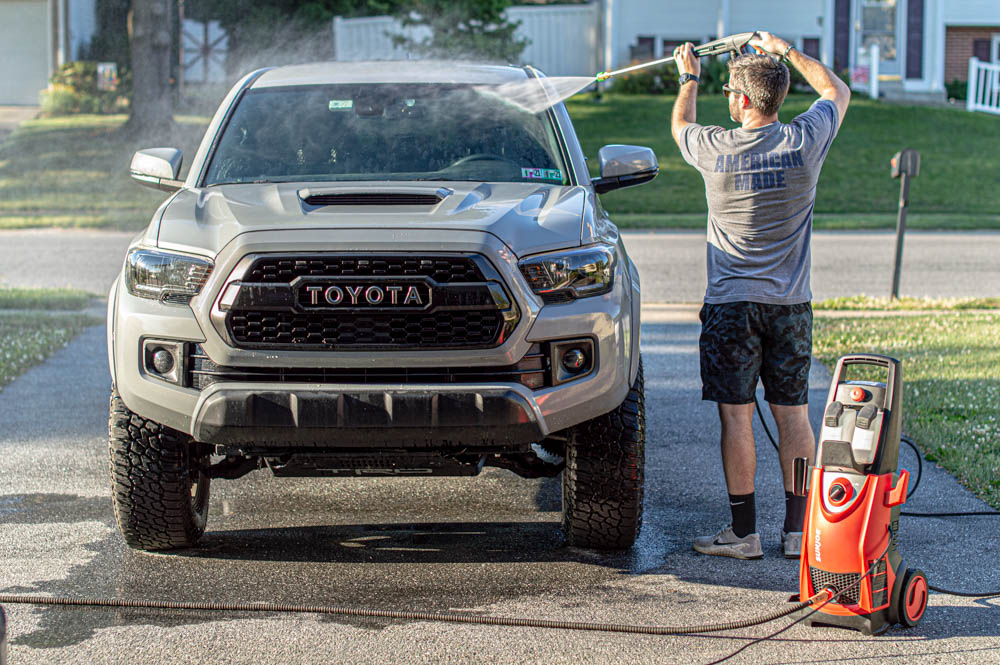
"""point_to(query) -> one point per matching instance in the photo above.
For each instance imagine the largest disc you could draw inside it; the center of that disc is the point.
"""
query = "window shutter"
(915, 39)
(981, 49)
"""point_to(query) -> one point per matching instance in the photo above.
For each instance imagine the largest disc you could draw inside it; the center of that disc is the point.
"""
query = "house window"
(643, 49)
(670, 44)
(810, 46)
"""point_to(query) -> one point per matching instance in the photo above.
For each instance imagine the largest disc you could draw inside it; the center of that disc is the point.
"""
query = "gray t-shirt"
(761, 187)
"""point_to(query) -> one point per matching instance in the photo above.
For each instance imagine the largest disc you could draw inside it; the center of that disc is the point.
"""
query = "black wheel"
(603, 480)
(159, 489)
(913, 599)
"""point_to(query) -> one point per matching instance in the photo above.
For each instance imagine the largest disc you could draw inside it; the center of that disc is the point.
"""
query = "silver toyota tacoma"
(377, 269)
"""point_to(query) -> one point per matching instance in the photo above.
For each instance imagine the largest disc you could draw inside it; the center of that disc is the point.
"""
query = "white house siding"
(789, 19)
(563, 39)
(663, 19)
(970, 12)
(24, 50)
(672, 20)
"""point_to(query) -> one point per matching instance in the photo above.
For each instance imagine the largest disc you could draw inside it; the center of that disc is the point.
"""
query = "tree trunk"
(152, 96)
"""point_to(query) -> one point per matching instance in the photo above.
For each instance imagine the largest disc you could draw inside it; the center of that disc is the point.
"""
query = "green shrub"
(663, 79)
(957, 89)
(73, 89)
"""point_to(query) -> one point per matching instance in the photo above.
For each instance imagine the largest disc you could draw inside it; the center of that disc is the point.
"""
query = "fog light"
(163, 361)
(574, 360)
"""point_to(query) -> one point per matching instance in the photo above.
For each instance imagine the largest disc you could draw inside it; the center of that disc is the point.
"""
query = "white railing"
(562, 40)
(983, 93)
(865, 74)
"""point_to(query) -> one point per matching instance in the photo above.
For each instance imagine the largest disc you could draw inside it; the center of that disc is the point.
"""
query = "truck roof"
(389, 71)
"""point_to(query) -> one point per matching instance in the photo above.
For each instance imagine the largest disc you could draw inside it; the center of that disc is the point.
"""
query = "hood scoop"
(404, 198)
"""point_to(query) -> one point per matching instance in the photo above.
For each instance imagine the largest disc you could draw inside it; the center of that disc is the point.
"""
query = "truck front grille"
(531, 371)
(442, 269)
(284, 301)
(437, 330)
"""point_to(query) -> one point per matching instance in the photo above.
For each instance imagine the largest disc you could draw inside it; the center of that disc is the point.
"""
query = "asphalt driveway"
(488, 545)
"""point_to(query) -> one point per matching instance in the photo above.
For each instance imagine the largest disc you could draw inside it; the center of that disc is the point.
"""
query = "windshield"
(384, 132)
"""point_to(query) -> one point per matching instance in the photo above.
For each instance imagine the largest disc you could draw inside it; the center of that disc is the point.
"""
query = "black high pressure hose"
(823, 596)
(920, 471)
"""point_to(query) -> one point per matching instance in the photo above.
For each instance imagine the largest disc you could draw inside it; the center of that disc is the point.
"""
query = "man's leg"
(739, 457)
(795, 437)
(730, 364)
(739, 462)
(785, 373)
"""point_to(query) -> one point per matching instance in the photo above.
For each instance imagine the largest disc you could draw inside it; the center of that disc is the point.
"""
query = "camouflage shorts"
(743, 341)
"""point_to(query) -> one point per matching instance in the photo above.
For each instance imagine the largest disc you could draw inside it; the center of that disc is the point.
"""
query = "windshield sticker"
(341, 104)
(541, 174)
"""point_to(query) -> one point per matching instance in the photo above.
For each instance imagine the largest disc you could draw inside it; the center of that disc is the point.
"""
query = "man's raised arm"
(686, 105)
(819, 76)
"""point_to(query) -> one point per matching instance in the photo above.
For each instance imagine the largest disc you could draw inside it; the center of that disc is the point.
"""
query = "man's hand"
(768, 43)
(687, 61)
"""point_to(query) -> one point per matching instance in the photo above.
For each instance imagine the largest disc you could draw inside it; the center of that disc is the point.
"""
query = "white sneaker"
(791, 543)
(727, 543)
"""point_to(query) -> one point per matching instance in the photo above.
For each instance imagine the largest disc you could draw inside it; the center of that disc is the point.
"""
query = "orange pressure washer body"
(851, 526)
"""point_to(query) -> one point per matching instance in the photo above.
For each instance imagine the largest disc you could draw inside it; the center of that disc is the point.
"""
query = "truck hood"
(528, 218)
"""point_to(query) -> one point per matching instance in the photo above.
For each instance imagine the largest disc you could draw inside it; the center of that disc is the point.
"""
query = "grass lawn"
(870, 303)
(957, 186)
(28, 338)
(73, 172)
(951, 384)
(43, 298)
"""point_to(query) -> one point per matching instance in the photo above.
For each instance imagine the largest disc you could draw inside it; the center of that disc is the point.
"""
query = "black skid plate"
(385, 465)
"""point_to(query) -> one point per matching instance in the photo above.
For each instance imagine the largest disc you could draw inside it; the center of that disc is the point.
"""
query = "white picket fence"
(563, 40)
(983, 93)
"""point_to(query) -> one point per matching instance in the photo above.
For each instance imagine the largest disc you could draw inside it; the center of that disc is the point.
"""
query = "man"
(760, 183)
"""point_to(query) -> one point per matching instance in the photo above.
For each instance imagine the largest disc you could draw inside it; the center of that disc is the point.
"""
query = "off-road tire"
(603, 480)
(159, 493)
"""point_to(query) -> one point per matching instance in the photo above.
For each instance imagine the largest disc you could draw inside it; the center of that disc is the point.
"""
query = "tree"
(151, 41)
(463, 29)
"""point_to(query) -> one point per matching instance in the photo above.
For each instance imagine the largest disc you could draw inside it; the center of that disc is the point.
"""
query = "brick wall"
(959, 46)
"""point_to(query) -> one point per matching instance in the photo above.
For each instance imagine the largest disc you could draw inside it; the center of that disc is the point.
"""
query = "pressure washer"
(855, 490)
(733, 44)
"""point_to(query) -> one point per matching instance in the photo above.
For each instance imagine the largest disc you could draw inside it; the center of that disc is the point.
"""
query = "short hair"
(763, 78)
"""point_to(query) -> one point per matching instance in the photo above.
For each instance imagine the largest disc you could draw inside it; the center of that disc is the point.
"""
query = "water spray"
(733, 44)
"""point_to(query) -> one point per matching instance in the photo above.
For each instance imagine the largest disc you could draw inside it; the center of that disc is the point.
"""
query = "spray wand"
(733, 44)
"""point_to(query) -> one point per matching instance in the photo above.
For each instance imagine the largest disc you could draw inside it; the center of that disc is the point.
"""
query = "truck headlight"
(164, 276)
(569, 274)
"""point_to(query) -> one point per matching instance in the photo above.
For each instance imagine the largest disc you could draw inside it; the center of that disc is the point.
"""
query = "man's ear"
(746, 101)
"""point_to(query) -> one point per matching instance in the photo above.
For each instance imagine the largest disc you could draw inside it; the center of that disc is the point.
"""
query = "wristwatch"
(784, 56)
(687, 77)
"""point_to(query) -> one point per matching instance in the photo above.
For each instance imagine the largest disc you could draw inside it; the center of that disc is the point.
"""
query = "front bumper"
(373, 415)
(365, 417)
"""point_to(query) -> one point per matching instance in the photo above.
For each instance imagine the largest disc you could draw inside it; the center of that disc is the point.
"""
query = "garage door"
(23, 50)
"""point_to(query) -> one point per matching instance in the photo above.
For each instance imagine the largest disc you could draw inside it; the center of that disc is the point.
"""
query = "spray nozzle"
(603, 76)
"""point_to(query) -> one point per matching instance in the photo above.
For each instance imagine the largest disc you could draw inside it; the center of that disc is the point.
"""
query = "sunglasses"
(726, 90)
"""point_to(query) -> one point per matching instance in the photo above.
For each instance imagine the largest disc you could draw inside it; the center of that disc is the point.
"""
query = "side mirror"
(157, 168)
(624, 166)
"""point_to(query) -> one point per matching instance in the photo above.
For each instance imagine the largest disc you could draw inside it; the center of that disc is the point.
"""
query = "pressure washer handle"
(734, 43)
(726, 44)
(800, 476)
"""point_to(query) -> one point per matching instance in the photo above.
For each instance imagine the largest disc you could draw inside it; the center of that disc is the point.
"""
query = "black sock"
(795, 512)
(744, 514)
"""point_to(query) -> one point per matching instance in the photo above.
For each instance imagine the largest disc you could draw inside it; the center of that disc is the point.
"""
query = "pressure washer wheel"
(913, 599)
